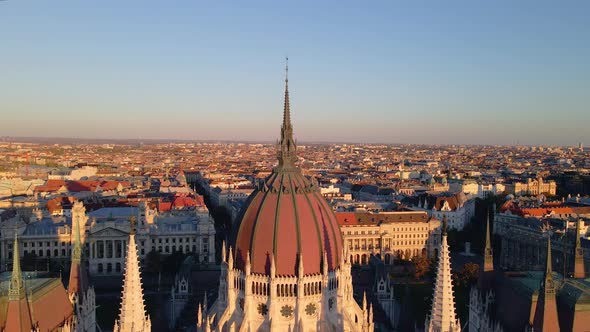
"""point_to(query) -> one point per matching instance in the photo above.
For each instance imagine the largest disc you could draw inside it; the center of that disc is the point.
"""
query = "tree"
(171, 263)
(421, 266)
(154, 261)
(468, 274)
(28, 262)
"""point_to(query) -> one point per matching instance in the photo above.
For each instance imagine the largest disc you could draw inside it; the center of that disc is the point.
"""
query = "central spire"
(287, 149)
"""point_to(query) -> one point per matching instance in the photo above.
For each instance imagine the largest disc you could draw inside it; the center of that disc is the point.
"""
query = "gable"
(109, 232)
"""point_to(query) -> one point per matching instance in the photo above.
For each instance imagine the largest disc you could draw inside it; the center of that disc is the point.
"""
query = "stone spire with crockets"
(132, 315)
(442, 315)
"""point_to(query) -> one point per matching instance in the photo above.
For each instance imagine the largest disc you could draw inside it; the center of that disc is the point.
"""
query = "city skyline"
(459, 74)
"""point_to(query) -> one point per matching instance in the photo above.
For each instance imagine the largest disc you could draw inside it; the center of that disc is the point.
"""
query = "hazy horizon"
(149, 141)
(497, 73)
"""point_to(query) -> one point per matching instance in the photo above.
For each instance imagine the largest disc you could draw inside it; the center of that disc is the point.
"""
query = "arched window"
(100, 268)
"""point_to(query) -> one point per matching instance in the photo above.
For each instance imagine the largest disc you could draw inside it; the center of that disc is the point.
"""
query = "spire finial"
(287, 106)
(16, 281)
(77, 250)
(549, 268)
(132, 225)
(579, 254)
(488, 254)
(287, 154)
(488, 242)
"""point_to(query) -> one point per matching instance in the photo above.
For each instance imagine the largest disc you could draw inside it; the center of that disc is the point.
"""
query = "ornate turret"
(76, 281)
(579, 255)
(545, 318)
(16, 286)
(442, 315)
(18, 315)
(132, 315)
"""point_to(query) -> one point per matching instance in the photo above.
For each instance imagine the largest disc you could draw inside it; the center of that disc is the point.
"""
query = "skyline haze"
(459, 73)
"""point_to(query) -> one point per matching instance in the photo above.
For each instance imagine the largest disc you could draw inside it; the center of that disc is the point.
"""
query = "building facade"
(457, 208)
(532, 187)
(389, 235)
(105, 235)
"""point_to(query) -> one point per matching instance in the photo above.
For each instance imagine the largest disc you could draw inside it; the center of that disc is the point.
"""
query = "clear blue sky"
(362, 71)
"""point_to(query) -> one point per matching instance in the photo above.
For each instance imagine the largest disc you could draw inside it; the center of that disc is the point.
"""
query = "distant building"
(388, 235)
(105, 235)
(457, 208)
(532, 187)
(522, 240)
(73, 174)
(476, 188)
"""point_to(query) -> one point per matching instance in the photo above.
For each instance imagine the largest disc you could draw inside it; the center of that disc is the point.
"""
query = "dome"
(285, 217)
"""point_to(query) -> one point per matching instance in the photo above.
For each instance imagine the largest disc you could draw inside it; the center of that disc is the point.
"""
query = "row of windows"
(32, 244)
(109, 268)
(180, 240)
(47, 244)
(46, 253)
(394, 243)
(403, 229)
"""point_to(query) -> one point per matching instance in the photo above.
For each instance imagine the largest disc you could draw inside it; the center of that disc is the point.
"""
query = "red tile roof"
(369, 218)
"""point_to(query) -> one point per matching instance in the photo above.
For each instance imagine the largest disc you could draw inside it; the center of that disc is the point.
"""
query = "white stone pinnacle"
(132, 314)
(442, 315)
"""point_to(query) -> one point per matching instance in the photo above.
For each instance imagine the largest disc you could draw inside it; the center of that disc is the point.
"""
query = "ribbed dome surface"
(287, 216)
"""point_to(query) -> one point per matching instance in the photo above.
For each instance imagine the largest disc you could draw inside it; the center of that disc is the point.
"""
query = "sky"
(452, 72)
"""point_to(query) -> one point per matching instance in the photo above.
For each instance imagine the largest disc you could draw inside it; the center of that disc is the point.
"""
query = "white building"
(388, 235)
(456, 208)
(106, 232)
(73, 174)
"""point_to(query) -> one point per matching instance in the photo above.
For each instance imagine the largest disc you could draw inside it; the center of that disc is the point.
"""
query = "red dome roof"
(287, 216)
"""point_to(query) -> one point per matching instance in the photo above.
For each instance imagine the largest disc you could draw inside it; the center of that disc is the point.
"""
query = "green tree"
(28, 262)
(154, 261)
(421, 266)
(468, 274)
